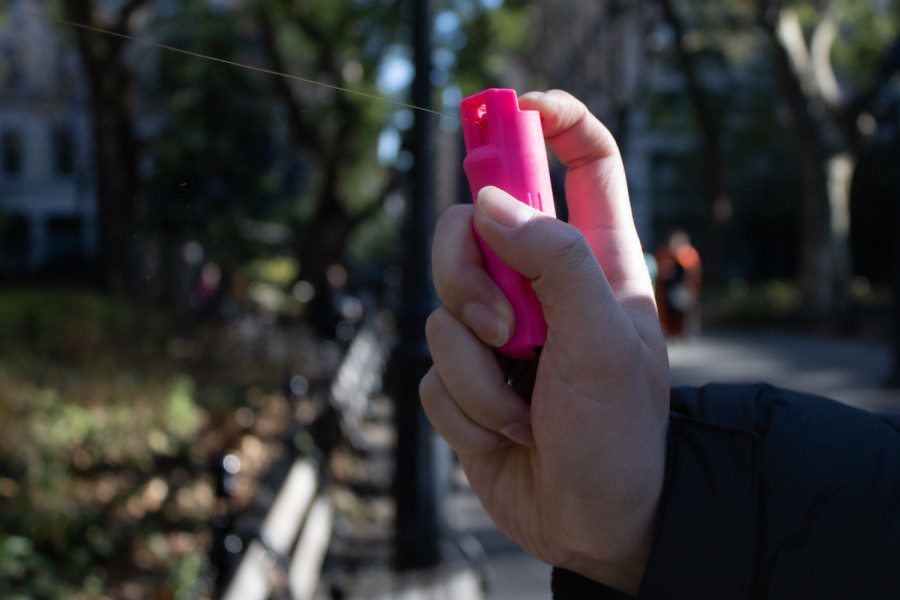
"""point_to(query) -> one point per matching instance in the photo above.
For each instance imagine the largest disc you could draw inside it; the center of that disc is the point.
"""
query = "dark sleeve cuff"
(706, 530)
(566, 584)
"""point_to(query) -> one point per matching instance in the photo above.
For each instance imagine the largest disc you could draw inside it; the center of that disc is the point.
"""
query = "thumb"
(579, 305)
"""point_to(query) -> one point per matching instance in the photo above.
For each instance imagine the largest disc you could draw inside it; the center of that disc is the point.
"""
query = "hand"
(575, 479)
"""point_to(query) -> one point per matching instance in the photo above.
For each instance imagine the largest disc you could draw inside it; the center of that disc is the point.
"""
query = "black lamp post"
(894, 376)
(417, 539)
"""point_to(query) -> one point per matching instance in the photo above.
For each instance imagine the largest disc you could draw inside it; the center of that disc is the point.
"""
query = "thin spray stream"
(223, 61)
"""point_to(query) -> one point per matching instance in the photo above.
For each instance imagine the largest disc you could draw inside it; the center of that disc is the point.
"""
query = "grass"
(104, 478)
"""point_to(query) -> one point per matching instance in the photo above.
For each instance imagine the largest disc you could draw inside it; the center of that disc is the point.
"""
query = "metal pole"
(417, 540)
(893, 379)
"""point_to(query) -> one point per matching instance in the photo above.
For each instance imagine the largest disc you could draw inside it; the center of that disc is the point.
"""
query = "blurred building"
(616, 56)
(656, 149)
(48, 209)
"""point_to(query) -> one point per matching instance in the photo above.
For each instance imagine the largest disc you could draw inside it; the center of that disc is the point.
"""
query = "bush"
(773, 302)
(80, 329)
(96, 428)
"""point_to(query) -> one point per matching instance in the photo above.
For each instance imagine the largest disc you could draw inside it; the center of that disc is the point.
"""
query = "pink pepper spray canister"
(505, 148)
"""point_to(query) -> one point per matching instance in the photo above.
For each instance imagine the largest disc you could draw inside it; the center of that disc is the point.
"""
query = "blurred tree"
(116, 149)
(490, 41)
(340, 43)
(221, 169)
(830, 119)
(593, 50)
(709, 123)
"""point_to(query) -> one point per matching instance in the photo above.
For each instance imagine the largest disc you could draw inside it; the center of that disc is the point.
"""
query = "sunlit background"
(203, 266)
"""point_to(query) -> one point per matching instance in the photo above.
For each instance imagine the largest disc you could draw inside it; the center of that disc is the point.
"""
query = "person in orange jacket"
(678, 282)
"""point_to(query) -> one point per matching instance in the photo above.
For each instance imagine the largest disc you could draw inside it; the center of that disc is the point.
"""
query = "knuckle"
(561, 94)
(460, 289)
(453, 287)
(437, 325)
(428, 387)
(492, 409)
(571, 102)
(459, 211)
(433, 325)
(572, 248)
(424, 389)
(566, 259)
(446, 262)
(444, 284)
(449, 220)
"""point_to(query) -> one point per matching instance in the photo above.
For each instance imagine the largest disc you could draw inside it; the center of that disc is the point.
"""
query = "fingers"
(573, 291)
(596, 188)
(575, 135)
(461, 282)
(463, 434)
(471, 375)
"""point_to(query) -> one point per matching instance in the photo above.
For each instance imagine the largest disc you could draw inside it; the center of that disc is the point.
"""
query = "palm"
(519, 487)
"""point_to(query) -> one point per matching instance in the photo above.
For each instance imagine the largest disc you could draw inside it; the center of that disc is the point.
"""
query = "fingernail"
(519, 433)
(487, 323)
(503, 208)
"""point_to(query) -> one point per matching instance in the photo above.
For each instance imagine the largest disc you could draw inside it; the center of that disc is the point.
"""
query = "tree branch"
(330, 63)
(702, 108)
(304, 133)
(789, 35)
(789, 79)
(821, 68)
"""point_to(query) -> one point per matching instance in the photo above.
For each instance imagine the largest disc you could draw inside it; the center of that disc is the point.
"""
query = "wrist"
(625, 572)
(622, 559)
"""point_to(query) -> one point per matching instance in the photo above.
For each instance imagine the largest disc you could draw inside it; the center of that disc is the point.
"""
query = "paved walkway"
(847, 370)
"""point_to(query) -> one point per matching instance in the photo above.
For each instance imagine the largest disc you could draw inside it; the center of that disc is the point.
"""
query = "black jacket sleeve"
(771, 494)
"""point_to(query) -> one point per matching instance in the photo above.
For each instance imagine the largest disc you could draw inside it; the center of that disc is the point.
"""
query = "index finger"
(596, 188)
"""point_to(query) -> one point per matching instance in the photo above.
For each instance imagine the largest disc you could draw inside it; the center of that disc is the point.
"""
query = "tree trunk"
(117, 178)
(320, 244)
(720, 204)
(815, 284)
(115, 146)
(839, 169)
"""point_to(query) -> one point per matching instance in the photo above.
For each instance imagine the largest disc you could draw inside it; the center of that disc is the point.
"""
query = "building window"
(12, 153)
(15, 235)
(65, 158)
(64, 240)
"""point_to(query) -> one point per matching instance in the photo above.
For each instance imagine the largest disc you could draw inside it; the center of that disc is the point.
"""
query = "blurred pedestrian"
(207, 290)
(678, 283)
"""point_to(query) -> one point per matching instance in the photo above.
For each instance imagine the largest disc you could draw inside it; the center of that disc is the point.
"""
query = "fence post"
(416, 529)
